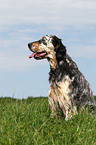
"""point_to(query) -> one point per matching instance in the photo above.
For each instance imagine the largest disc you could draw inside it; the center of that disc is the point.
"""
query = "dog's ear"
(59, 48)
(56, 42)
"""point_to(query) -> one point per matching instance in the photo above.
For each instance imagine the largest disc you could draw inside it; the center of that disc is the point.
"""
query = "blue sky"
(28, 20)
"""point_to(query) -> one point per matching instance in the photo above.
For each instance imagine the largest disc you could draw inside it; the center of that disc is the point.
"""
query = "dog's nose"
(29, 45)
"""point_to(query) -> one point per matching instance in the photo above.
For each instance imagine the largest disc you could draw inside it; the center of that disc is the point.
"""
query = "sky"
(24, 21)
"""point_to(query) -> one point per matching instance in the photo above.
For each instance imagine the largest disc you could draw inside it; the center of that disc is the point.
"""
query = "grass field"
(28, 122)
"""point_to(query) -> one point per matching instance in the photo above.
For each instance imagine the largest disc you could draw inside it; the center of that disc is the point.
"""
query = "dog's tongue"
(32, 55)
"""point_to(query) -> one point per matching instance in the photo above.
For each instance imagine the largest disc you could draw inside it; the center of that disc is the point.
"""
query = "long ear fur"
(60, 49)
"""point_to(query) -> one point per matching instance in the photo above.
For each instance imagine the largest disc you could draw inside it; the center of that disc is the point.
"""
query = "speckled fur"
(68, 89)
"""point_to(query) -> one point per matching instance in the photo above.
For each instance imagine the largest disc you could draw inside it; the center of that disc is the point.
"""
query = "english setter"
(68, 90)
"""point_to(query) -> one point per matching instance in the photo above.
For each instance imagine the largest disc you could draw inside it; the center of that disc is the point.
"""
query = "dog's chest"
(60, 90)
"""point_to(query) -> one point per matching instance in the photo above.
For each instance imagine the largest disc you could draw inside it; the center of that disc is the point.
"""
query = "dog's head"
(50, 47)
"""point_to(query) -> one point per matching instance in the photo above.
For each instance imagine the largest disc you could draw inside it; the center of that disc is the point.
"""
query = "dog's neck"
(53, 64)
(52, 61)
(57, 71)
(62, 69)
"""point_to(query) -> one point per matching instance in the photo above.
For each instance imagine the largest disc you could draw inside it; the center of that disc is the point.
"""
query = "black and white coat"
(68, 89)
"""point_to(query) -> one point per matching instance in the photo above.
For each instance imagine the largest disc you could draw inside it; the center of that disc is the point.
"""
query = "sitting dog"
(68, 90)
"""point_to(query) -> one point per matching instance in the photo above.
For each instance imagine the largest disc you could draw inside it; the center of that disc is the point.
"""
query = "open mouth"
(38, 55)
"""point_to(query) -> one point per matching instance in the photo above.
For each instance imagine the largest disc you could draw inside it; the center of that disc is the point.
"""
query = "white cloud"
(57, 15)
(83, 51)
(64, 12)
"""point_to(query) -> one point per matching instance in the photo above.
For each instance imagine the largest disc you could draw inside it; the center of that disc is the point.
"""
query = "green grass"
(28, 122)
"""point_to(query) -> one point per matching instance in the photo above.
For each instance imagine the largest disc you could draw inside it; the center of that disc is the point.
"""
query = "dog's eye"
(44, 41)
